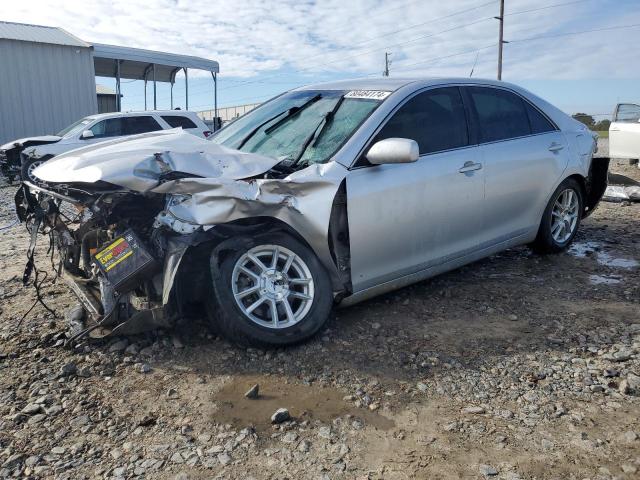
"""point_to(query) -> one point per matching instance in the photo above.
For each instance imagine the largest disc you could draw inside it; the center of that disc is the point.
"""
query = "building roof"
(102, 90)
(136, 63)
(39, 34)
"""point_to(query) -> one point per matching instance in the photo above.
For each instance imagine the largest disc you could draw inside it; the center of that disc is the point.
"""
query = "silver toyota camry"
(325, 195)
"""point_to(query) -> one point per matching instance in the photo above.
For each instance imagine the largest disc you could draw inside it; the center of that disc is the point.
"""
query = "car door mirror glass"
(393, 150)
(86, 134)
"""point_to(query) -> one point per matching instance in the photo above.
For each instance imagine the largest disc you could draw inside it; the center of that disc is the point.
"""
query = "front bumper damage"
(176, 223)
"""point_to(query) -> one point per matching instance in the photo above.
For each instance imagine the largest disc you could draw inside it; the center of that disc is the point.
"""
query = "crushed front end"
(108, 251)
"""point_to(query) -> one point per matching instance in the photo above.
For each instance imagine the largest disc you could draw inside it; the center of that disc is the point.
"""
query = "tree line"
(589, 121)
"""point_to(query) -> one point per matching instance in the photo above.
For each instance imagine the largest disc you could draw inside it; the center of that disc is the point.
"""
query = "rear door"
(523, 154)
(139, 124)
(405, 218)
(624, 132)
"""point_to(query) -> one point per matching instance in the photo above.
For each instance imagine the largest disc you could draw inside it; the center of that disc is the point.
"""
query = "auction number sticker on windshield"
(368, 94)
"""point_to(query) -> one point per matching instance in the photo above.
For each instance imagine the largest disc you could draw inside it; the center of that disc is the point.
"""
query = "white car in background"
(624, 132)
(25, 154)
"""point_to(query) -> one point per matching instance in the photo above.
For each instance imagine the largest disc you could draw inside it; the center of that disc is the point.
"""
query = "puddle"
(585, 249)
(604, 280)
(304, 402)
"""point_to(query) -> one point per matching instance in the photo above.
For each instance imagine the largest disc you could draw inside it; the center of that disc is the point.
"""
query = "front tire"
(270, 290)
(27, 168)
(561, 218)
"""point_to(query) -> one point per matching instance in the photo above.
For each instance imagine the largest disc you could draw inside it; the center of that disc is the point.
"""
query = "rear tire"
(561, 218)
(269, 290)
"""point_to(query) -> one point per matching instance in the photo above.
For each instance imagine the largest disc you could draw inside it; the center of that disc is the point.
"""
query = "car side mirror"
(86, 134)
(393, 150)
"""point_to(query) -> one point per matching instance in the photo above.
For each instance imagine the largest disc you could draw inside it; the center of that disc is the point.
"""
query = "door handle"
(470, 167)
(555, 147)
(614, 129)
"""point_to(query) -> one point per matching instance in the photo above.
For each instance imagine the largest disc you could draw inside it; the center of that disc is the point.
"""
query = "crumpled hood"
(137, 162)
(21, 141)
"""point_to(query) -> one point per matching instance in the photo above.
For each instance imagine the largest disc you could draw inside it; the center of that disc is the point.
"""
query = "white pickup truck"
(624, 132)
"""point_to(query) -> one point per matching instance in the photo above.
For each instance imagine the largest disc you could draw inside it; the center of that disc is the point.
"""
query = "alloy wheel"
(272, 286)
(564, 215)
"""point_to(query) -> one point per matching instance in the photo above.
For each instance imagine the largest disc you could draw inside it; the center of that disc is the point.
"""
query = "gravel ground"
(518, 366)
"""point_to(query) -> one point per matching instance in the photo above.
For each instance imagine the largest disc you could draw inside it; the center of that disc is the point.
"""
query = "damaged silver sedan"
(325, 195)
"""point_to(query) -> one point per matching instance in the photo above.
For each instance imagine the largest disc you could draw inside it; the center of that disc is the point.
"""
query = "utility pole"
(501, 41)
(387, 64)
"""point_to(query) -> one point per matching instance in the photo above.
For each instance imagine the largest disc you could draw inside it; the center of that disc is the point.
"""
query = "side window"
(179, 121)
(435, 119)
(539, 123)
(141, 124)
(111, 127)
(501, 114)
(627, 112)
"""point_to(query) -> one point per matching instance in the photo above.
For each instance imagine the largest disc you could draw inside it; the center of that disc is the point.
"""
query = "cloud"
(254, 37)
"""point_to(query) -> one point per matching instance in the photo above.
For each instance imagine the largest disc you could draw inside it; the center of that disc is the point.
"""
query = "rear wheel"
(561, 218)
(268, 290)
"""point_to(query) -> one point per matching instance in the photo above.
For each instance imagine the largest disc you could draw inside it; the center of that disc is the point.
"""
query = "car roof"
(101, 116)
(395, 83)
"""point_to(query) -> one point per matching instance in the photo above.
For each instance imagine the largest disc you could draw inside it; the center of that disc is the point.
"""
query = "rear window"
(178, 121)
(142, 124)
(539, 123)
(501, 114)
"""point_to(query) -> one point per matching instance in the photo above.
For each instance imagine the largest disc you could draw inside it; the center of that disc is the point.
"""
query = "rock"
(80, 421)
(422, 387)
(176, 458)
(253, 392)
(145, 368)
(119, 346)
(628, 468)
(280, 415)
(31, 409)
(474, 410)
(513, 317)
(633, 381)
(289, 437)
(622, 355)
(630, 436)
(68, 369)
(58, 450)
(324, 432)
(224, 458)
(13, 461)
(304, 446)
(172, 393)
(547, 444)
(132, 349)
(488, 470)
(624, 387)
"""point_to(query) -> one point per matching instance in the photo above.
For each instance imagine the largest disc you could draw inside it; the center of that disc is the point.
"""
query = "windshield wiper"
(318, 131)
(289, 113)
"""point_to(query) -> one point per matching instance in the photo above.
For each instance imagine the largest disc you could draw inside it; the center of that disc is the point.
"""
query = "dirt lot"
(518, 366)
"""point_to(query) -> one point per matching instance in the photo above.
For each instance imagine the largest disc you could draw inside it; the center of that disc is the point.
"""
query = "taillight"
(207, 133)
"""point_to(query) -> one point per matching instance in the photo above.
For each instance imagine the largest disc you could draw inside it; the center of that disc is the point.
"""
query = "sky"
(580, 55)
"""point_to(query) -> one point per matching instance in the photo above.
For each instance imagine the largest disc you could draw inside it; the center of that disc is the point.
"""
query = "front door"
(624, 132)
(404, 218)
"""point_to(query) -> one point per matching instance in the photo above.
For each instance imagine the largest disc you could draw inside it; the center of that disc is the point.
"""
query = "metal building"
(107, 99)
(47, 77)
(47, 80)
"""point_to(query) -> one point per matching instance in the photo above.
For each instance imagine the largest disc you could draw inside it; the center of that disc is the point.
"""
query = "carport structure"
(148, 65)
